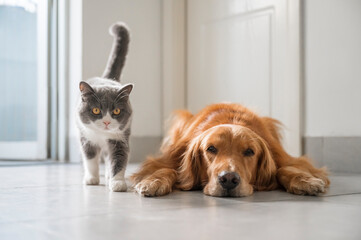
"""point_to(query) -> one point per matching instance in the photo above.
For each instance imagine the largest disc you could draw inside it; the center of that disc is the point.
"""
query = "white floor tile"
(49, 202)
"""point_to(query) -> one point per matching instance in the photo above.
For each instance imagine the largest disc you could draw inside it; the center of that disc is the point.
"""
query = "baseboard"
(140, 148)
(338, 154)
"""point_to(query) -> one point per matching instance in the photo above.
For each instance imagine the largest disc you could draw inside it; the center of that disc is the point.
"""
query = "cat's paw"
(91, 180)
(107, 179)
(117, 185)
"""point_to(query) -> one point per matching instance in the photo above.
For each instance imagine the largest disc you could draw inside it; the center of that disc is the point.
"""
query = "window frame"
(38, 149)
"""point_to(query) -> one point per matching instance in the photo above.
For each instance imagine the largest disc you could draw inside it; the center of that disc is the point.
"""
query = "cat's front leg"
(107, 169)
(91, 155)
(118, 159)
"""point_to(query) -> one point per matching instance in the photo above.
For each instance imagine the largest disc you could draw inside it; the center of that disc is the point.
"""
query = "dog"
(228, 151)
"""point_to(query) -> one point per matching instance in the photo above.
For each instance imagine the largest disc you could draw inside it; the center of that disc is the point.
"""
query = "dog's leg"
(302, 178)
(157, 176)
(160, 183)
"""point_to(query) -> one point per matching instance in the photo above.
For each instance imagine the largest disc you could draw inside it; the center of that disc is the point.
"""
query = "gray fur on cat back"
(119, 51)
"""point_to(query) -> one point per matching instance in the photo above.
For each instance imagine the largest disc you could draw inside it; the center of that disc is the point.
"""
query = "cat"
(104, 117)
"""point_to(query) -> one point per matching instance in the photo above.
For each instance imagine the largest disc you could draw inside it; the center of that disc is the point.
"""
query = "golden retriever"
(226, 150)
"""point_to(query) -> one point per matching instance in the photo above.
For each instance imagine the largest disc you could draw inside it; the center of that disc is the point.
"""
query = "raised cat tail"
(119, 51)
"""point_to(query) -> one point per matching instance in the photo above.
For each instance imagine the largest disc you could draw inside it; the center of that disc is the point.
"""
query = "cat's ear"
(126, 89)
(124, 92)
(85, 88)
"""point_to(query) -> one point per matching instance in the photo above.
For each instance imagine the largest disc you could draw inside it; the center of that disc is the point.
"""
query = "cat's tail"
(119, 51)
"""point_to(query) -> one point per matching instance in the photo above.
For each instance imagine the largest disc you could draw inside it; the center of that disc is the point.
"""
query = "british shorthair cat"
(104, 117)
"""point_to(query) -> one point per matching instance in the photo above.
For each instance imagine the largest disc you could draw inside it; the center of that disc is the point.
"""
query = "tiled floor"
(49, 202)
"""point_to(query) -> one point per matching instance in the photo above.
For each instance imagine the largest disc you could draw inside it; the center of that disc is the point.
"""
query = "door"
(23, 75)
(246, 51)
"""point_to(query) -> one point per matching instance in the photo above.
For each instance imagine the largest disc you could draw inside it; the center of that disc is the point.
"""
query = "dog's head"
(227, 160)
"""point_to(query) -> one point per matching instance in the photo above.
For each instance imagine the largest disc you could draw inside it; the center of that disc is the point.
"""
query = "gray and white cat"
(104, 117)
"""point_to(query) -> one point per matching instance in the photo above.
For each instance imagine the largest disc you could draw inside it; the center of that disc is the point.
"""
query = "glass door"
(23, 79)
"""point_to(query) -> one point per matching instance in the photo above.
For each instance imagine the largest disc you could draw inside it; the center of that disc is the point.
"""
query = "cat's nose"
(106, 123)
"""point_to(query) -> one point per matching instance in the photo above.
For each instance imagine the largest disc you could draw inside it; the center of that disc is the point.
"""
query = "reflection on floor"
(49, 202)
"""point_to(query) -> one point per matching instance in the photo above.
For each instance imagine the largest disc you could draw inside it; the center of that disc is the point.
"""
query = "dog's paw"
(152, 188)
(307, 186)
(117, 185)
(91, 180)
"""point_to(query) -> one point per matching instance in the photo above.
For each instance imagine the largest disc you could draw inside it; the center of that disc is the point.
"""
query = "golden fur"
(186, 163)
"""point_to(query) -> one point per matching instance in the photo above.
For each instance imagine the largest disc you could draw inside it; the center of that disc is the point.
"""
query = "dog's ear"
(192, 169)
(266, 169)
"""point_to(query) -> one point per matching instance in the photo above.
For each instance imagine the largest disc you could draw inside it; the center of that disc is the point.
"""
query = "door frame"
(174, 55)
(175, 65)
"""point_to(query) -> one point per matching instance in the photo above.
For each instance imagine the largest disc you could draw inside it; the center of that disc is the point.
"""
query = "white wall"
(143, 66)
(332, 68)
(332, 61)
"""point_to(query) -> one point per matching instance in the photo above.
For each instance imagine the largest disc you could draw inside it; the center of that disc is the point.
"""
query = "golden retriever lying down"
(226, 150)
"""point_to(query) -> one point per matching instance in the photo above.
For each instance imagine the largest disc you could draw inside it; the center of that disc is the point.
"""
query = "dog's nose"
(229, 180)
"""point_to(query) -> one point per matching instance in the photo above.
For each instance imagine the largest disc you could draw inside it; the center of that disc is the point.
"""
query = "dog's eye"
(249, 152)
(212, 149)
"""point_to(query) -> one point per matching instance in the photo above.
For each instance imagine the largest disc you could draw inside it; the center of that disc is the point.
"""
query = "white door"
(246, 51)
(23, 76)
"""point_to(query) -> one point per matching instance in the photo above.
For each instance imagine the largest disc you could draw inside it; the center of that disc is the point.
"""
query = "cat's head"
(105, 108)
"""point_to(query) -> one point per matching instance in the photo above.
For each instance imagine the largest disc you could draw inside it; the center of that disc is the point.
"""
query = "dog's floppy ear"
(192, 169)
(266, 169)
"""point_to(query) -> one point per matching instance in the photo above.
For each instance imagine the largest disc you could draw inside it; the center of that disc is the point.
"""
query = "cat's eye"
(116, 111)
(248, 152)
(212, 149)
(96, 111)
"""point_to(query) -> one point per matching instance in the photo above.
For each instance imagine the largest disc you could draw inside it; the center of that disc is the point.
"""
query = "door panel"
(241, 51)
(230, 61)
(23, 74)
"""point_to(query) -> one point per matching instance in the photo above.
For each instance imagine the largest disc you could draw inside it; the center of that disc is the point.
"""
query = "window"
(24, 79)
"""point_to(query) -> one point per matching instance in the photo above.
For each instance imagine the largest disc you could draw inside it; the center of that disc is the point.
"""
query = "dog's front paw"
(307, 186)
(152, 188)
(91, 180)
(117, 185)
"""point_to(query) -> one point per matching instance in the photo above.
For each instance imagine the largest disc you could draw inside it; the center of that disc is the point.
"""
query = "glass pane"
(18, 70)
